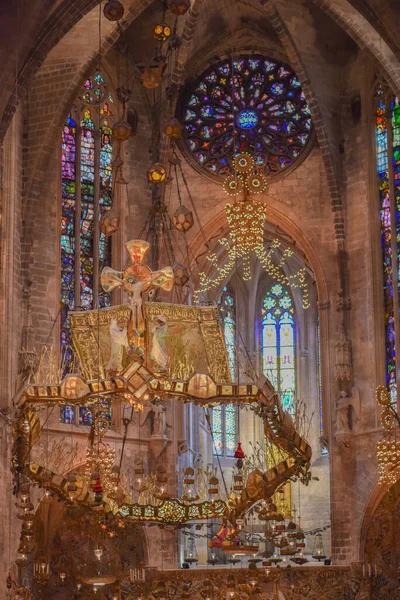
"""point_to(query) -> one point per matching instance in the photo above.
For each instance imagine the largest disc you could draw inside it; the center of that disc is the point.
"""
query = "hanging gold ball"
(162, 32)
(181, 275)
(157, 173)
(243, 162)
(121, 131)
(173, 129)
(179, 7)
(109, 223)
(183, 219)
(113, 10)
(232, 185)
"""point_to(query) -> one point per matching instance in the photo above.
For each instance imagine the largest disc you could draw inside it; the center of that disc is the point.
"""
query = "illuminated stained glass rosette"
(256, 183)
(233, 185)
(252, 104)
(244, 162)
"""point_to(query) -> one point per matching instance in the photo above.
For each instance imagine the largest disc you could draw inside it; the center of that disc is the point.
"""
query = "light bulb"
(98, 552)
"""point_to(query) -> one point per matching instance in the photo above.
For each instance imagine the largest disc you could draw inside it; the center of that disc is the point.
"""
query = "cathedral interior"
(199, 299)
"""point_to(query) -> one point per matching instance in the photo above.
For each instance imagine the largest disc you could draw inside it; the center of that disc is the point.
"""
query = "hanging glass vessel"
(41, 569)
(183, 219)
(162, 32)
(179, 7)
(121, 131)
(190, 551)
(318, 552)
(189, 489)
(157, 174)
(173, 129)
(109, 222)
(181, 275)
(153, 73)
(113, 10)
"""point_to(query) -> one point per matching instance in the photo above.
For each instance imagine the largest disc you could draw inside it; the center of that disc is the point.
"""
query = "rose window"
(254, 104)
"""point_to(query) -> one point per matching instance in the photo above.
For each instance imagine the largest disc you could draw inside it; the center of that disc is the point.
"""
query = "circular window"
(255, 104)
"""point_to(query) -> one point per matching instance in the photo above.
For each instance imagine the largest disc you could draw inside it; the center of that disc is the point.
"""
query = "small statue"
(343, 414)
(160, 420)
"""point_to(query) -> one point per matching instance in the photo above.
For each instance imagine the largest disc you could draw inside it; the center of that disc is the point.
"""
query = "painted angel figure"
(136, 279)
(119, 341)
(158, 346)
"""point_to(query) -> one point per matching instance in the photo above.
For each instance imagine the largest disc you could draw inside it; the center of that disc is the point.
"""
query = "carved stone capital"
(343, 303)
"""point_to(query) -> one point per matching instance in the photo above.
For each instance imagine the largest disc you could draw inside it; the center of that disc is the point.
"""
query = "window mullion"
(278, 356)
(96, 211)
(393, 241)
(223, 427)
(78, 195)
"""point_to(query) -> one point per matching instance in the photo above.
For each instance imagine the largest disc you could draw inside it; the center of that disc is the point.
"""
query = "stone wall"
(329, 198)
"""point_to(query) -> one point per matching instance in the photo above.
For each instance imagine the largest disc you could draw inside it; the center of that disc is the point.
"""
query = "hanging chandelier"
(246, 220)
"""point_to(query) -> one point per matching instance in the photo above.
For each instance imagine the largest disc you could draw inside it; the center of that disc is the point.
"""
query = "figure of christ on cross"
(136, 279)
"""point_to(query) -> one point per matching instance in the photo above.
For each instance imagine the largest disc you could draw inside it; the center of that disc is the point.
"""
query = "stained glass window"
(86, 151)
(253, 103)
(224, 418)
(224, 428)
(227, 308)
(388, 165)
(278, 343)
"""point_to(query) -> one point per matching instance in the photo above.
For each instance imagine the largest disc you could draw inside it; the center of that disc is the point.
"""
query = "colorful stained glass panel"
(85, 156)
(243, 107)
(224, 418)
(278, 343)
(382, 155)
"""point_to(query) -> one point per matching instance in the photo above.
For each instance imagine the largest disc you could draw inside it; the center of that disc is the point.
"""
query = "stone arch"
(217, 226)
(328, 154)
(375, 498)
(365, 35)
(72, 78)
(381, 546)
(56, 29)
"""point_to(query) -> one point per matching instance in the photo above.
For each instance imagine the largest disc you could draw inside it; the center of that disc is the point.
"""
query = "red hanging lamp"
(239, 451)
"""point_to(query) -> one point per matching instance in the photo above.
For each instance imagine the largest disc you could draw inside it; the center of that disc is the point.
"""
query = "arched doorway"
(382, 545)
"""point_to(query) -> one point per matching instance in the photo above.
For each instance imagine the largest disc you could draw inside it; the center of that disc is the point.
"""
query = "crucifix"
(136, 279)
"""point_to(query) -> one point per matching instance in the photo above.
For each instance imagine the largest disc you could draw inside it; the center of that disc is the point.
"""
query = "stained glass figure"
(68, 205)
(388, 157)
(252, 103)
(224, 418)
(87, 209)
(278, 343)
(80, 154)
